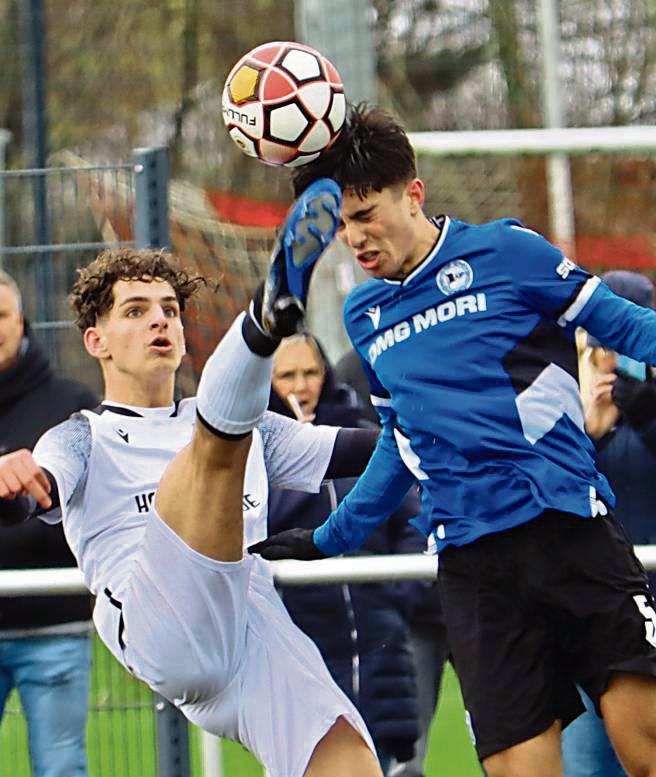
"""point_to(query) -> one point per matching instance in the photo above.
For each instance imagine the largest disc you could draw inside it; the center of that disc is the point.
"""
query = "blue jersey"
(473, 367)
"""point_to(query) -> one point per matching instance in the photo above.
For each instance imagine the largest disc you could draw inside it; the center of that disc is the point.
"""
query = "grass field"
(121, 733)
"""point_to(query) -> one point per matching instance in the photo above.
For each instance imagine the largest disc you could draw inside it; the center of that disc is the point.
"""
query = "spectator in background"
(44, 640)
(360, 629)
(619, 399)
(423, 613)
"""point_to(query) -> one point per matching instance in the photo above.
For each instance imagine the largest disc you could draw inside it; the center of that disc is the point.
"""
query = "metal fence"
(56, 219)
(121, 725)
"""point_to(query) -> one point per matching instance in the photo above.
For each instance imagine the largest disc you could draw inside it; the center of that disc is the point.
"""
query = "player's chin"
(375, 271)
(167, 361)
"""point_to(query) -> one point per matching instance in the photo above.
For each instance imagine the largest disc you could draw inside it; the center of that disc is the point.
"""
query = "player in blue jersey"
(466, 335)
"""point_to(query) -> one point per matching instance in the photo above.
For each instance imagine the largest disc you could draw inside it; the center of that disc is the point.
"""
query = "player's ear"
(95, 343)
(416, 192)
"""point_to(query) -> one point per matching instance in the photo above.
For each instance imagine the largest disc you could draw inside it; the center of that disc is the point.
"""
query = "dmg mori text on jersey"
(445, 311)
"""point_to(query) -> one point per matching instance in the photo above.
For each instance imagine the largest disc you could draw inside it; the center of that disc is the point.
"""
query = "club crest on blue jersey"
(454, 276)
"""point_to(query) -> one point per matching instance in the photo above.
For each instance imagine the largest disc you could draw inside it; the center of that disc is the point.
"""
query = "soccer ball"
(283, 103)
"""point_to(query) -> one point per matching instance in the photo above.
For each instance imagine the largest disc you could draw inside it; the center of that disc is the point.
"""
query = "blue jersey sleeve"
(619, 324)
(381, 487)
(545, 279)
(377, 494)
(379, 396)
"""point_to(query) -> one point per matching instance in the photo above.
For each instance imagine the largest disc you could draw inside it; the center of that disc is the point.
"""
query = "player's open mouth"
(161, 345)
(368, 259)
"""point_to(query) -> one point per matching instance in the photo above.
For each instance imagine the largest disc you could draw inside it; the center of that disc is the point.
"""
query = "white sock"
(234, 387)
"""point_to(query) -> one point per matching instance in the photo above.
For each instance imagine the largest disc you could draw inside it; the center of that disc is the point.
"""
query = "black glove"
(291, 543)
(635, 400)
(14, 511)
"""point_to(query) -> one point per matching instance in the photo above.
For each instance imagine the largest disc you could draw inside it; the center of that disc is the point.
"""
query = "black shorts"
(534, 610)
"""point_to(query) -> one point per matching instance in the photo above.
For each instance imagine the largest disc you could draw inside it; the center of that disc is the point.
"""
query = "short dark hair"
(372, 152)
(92, 294)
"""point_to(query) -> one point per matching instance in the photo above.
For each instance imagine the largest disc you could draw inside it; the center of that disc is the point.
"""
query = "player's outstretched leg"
(234, 387)
(309, 227)
(200, 494)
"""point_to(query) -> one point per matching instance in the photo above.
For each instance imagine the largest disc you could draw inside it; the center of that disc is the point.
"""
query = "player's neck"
(140, 393)
(427, 236)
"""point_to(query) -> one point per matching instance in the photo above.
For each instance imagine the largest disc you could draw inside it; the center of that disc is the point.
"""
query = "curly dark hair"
(92, 294)
(372, 152)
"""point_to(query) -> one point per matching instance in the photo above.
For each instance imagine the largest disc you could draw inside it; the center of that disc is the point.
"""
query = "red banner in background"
(246, 211)
(614, 252)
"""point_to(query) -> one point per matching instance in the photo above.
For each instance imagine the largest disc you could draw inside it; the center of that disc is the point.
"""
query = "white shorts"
(214, 638)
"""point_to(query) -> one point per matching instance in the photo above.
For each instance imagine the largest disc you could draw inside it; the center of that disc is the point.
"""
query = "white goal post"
(556, 145)
(572, 140)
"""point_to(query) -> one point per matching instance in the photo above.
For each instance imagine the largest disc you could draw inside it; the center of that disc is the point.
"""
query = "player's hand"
(20, 475)
(601, 413)
(292, 543)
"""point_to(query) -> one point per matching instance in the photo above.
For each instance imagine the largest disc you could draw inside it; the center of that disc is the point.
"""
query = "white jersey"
(108, 465)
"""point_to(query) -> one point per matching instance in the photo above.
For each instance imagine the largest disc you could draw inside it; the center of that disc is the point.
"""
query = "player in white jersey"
(157, 499)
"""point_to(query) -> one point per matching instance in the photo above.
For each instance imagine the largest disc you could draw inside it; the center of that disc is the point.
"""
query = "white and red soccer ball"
(283, 103)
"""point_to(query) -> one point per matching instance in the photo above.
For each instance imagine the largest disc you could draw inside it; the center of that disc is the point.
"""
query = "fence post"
(151, 169)
(172, 740)
(5, 137)
(32, 21)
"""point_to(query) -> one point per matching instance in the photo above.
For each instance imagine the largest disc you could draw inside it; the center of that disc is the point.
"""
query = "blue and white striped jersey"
(473, 367)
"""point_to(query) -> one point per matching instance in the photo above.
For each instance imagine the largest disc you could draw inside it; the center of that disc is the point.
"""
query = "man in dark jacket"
(360, 630)
(44, 641)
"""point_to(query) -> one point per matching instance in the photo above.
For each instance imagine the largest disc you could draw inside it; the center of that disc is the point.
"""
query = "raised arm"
(570, 296)
(620, 324)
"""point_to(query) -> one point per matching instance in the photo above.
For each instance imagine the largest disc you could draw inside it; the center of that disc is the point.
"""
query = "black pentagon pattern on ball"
(294, 102)
(331, 105)
(320, 76)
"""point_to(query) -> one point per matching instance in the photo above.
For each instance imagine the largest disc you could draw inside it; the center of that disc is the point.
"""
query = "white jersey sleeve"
(64, 451)
(296, 455)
